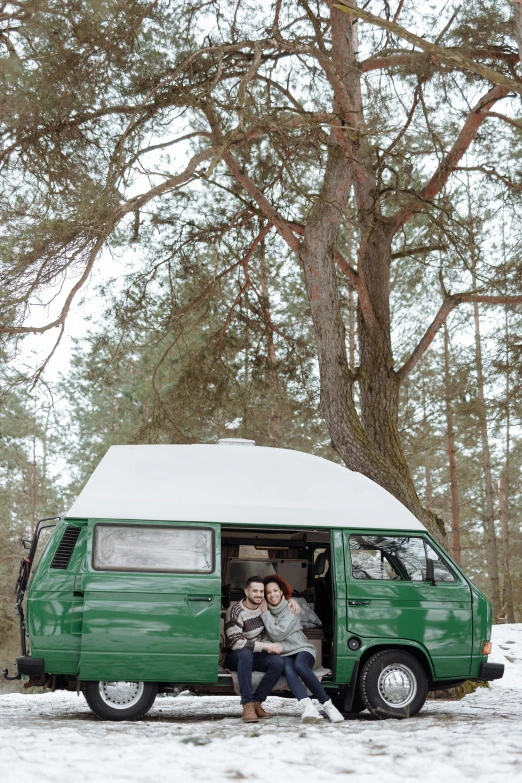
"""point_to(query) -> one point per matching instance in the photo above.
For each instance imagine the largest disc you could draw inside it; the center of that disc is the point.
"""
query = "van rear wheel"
(120, 700)
(393, 684)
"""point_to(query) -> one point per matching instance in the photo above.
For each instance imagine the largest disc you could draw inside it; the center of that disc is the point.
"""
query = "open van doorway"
(303, 559)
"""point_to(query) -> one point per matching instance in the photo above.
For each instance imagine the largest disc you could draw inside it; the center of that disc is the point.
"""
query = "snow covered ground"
(55, 737)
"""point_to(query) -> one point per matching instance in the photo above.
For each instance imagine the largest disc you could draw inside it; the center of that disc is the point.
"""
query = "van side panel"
(151, 626)
(438, 618)
(54, 609)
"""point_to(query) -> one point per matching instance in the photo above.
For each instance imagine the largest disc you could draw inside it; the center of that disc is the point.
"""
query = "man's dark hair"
(254, 579)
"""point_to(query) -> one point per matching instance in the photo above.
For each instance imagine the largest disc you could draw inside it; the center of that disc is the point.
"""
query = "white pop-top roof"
(235, 484)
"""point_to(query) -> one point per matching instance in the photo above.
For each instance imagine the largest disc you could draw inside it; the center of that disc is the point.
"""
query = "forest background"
(316, 208)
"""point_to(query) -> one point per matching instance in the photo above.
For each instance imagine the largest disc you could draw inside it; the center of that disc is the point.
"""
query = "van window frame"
(425, 540)
(169, 525)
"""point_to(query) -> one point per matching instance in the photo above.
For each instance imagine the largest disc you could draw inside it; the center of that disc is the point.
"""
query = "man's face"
(255, 592)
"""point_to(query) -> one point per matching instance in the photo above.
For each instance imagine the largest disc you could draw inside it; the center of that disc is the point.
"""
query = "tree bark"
(508, 588)
(274, 422)
(369, 443)
(503, 489)
(517, 10)
(448, 398)
(492, 557)
(351, 327)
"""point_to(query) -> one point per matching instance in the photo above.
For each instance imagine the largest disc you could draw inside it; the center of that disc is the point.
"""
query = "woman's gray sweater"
(285, 628)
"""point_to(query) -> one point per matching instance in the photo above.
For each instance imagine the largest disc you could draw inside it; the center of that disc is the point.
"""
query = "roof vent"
(66, 546)
(236, 442)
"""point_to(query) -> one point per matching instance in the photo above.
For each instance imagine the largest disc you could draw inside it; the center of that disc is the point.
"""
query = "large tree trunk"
(369, 443)
(379, 386)
(349, 435)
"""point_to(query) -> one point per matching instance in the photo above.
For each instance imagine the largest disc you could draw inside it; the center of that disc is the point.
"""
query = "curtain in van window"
(149, 548)
(227, 551)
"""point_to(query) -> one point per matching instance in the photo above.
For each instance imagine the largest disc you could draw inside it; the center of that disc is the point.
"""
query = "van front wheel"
(120, 700)
(393, 684)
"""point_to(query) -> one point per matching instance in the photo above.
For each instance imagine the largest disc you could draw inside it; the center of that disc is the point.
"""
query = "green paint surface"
(164, 627)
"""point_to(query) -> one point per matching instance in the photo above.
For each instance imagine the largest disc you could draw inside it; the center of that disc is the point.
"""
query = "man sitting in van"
(247, 652)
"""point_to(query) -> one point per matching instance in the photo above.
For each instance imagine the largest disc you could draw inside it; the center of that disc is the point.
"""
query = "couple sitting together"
(264, 634)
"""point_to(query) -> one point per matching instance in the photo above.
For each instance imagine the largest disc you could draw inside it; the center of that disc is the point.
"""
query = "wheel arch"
(405, 646)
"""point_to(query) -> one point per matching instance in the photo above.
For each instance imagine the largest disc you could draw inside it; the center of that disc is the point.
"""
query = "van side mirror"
(430, 571)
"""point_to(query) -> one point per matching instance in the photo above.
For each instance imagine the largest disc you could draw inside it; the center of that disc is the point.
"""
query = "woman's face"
(273, 594)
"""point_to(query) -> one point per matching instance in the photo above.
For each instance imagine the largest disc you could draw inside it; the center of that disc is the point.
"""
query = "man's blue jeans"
(299, 667)
(245, 661)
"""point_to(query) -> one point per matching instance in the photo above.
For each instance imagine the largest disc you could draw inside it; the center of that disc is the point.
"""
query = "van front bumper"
(491, 671)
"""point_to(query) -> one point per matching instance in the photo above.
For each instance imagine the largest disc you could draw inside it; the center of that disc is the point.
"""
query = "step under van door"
(152, 602)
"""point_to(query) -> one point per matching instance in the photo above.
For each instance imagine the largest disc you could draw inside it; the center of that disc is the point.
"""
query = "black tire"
(393, 684)
(120, 701)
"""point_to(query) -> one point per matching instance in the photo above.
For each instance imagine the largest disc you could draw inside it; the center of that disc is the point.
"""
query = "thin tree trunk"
(455, 505)
(517, 10)
(492, 557)
(427, 466)
(503, 492)
(508, 589)
(33, 471)
(274, 423)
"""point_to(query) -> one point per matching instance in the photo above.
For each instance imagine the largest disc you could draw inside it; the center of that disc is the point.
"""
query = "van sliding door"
(152, 602)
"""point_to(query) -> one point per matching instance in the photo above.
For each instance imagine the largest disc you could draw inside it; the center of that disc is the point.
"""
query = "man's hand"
(294, 607)
(263, 606)
(274, 648)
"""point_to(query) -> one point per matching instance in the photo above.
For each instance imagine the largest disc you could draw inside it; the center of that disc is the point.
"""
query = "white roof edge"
(254, 486)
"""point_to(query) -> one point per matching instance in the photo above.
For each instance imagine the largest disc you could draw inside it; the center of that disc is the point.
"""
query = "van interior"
(302, 558)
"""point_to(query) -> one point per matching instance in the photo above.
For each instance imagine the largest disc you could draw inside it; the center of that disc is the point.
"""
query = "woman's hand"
(263, 605)
(274, 648)
(294, 607)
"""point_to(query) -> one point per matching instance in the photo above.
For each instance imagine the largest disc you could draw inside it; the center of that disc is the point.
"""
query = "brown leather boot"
(260, 712)
(249, 713)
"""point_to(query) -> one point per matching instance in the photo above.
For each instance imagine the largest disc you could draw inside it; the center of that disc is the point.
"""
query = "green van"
(128, 598)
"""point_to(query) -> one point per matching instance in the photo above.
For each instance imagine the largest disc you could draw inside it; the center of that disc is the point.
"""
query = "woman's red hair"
(281, 583)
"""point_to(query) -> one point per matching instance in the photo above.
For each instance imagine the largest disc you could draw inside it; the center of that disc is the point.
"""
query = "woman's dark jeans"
(299, 667)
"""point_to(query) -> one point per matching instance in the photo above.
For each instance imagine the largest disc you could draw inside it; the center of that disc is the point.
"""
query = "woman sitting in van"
(299, 654)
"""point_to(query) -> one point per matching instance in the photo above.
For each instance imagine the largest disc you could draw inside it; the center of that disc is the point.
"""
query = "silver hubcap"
(121, 695)
(397, 685)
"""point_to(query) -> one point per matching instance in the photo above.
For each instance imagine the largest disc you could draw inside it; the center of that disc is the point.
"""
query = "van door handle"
(78, 585)
(359, 603)
(206, 599)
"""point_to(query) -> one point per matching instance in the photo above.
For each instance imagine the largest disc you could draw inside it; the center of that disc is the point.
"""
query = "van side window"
(153, 548)
(398, 557)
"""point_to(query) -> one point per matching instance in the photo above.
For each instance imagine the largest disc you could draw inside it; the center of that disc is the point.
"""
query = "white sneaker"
(309, 714)
(332, 712)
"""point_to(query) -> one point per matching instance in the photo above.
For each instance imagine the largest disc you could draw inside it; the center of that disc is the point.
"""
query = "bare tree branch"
(93, 254)
(438, 52)
(447, 166)
(450, 303)
(503, 117)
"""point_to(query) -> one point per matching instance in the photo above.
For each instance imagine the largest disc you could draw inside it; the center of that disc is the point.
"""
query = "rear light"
(486, 648)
